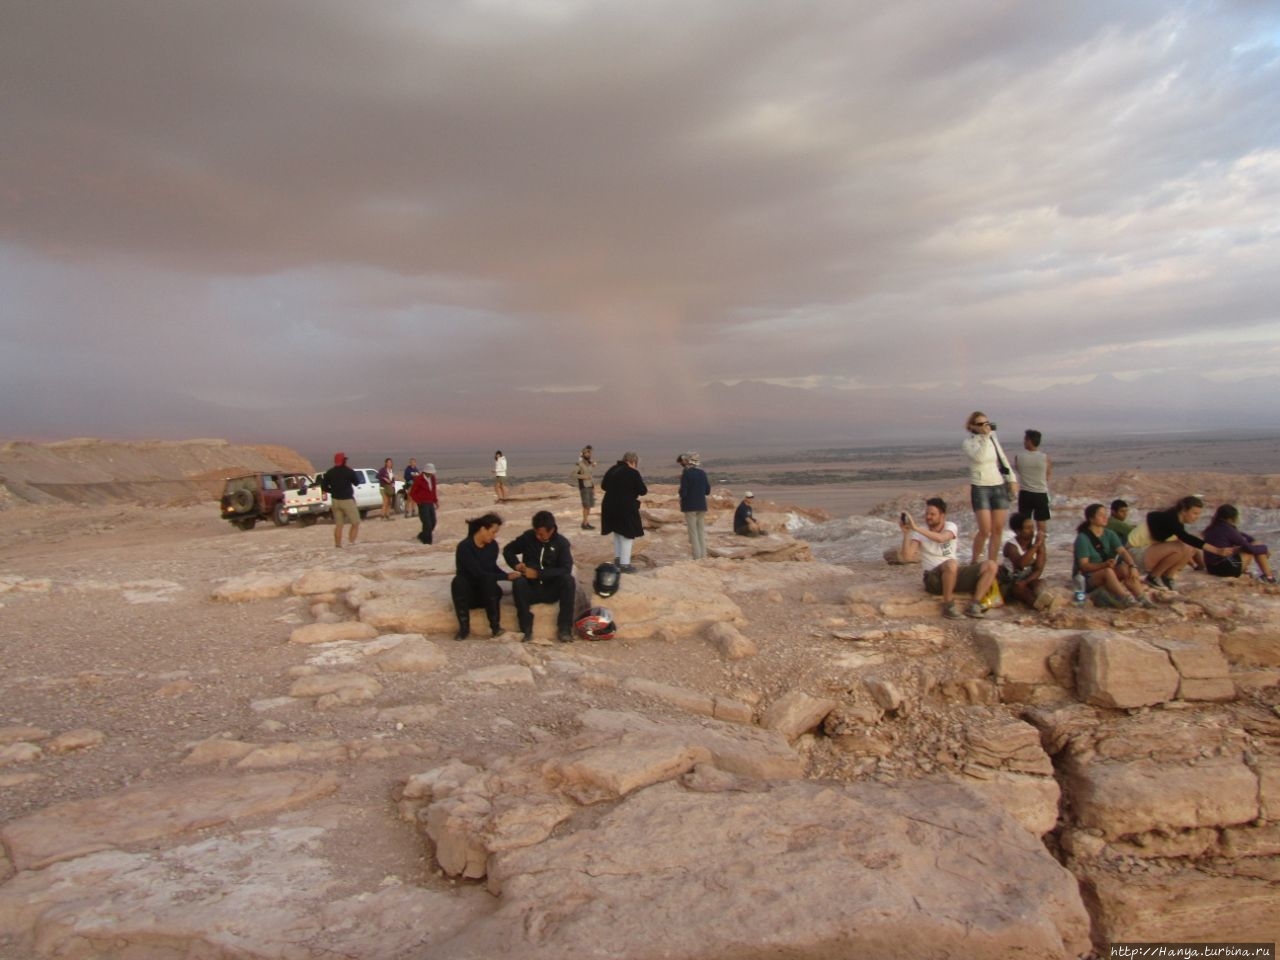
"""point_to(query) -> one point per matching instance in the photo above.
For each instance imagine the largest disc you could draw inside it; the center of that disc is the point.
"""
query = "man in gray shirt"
(1034, 468)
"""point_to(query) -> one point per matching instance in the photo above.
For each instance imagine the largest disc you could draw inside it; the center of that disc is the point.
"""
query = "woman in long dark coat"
(620, 509)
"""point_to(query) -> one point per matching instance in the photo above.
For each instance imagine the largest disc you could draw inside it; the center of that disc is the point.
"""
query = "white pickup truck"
(313, 502)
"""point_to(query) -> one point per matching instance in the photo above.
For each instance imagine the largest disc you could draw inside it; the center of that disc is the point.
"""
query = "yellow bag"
(993, 597)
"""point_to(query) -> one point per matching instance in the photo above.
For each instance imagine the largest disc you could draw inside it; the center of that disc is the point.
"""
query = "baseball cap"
(748, 495)
(339, 459)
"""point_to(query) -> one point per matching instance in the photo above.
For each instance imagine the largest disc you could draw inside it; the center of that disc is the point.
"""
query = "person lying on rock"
(935, 547)
(478, 575)
(543, 559)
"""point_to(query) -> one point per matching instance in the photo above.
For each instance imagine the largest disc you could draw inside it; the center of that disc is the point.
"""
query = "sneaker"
(950, 612)
(1168, 584)
(1147, 602)
(1153, 583)
(975, 610)
(1270, 580)
(528, 637)
(565, 636)
(1128, 601)
(587, 526)
(1106, 599)
(626, 568)
(1045, 600)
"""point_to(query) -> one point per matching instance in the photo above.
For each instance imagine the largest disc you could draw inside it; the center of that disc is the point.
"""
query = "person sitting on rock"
(1106, 563)
(1167, 546)
(1022, 564)
(745, 523)
(478, 575)
(935, 547)
(1224, 532)
(544, 561)
(1119, 521)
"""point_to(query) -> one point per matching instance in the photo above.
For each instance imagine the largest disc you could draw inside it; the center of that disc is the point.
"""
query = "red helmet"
(596, 624)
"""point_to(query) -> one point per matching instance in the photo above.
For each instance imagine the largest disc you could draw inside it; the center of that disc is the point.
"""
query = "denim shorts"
(989, 498)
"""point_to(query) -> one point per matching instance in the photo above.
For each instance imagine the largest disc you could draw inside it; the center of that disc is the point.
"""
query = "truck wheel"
(278, 516)
(245, 524)
(364, 513)
(398, 504)
(242, 501)
(308, 519)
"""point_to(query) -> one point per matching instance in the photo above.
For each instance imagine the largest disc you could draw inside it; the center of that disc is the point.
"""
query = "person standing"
(695, 487)
(410, 474)
(544, 559)
(499, 477)
(425, 496)
(475, 583)
(339, 482)
(989, 474)
(1034, 470)
(620, 509)
(387, 487)
(586, 484)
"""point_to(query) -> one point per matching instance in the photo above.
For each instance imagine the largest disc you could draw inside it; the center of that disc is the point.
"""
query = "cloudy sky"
(476, 222)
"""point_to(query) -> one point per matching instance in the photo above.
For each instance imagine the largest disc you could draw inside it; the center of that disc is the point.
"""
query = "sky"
(486, 223)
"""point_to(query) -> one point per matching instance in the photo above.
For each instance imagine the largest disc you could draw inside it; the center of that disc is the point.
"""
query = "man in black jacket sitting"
(544, 560)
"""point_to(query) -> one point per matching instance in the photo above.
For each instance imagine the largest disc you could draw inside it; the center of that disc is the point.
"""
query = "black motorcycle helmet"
(606, 581)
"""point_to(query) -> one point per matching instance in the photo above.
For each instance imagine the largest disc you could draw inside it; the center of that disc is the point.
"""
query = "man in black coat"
(620, 509)
(544, 560)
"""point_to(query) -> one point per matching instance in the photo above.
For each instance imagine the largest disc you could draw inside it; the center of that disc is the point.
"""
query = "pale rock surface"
(254, 586)
(1255, 646)
(731, 643)
(1143, 796)
(796, 713)
(20, 752)
(794, 869)
(690, 700)
(1115, 670)
(499, 675)
(19, 732)
(1032, 801)
(264, 894)
(1017, 653)
(321, 581)
(66, 830)
(332, 632)
(413, 655)
(352, 686)
(82, 738)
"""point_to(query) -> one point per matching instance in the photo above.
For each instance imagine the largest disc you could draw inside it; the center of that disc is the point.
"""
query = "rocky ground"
(218, 743)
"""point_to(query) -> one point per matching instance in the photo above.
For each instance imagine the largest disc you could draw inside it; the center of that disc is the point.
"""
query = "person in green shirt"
(1119, 516)
(1105, 563)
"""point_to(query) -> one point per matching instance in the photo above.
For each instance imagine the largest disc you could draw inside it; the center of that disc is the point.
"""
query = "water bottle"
(1078, 581)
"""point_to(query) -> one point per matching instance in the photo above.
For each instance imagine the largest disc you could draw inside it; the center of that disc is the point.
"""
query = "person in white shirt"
(499, 477)
(935, 547)
(989, 479)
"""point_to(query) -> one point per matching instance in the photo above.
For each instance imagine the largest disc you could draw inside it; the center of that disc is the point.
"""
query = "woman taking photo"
(1106, 563)
(1172, 547)
(989, 474)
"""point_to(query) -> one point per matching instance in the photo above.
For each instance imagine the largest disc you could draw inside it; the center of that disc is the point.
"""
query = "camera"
(993, 426)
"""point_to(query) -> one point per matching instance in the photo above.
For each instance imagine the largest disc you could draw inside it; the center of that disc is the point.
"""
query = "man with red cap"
(339, 482)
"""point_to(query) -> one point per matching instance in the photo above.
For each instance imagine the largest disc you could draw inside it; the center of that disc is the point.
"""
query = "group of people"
(1118, 562)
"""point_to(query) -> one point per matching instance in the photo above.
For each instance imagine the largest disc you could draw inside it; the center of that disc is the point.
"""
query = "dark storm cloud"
(246, 200)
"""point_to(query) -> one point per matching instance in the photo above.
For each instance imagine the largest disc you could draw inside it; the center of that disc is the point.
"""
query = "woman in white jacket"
(989, 471)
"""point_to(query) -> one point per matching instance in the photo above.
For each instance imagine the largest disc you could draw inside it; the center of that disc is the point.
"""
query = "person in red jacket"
(424, 493)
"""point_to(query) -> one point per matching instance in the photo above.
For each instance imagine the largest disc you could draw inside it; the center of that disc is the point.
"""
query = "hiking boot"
(950, 612)
(1045, 600)
(528, 637)
(1147, 602)
(565, 636)
(975, 610)
(626, 568)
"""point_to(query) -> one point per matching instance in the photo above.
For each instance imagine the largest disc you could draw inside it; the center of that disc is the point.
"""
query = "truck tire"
(278, 516)
(246, 524)
(242, 501)
(308, 519)
(397, 505)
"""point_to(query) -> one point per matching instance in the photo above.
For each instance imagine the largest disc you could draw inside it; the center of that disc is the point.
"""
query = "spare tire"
(242, 501)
